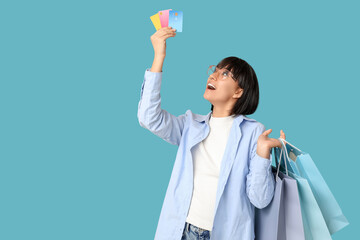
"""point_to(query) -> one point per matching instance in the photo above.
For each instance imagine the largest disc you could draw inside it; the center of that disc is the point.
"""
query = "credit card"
(164, 17)
(156, 21)
(176, 20)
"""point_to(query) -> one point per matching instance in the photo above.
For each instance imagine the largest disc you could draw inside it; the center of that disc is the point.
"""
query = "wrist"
(263, 152)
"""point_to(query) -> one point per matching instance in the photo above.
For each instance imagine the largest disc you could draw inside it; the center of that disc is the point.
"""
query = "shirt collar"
(205, 118)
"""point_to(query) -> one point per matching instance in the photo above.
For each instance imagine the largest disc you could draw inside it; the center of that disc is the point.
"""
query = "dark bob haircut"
(246, 78)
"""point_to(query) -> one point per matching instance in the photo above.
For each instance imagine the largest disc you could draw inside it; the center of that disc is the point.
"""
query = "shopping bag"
(302, 165)
(313, 221)
(281, 219)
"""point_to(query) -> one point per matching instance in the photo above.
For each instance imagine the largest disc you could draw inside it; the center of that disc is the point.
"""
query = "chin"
(205, 96)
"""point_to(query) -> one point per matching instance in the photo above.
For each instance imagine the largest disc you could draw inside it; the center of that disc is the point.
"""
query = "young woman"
(222, 169)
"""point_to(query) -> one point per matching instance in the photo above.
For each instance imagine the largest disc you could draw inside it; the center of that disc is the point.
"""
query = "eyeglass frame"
(210, 69)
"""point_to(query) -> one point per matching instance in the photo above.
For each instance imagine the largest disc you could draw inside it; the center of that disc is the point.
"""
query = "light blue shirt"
(245, 179)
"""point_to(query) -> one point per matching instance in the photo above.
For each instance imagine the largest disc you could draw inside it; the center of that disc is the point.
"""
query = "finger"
(164, 37)
(167, 36)
(167, 30)
(273, 142)
(161, 32)
(267, 132)
(282, 134)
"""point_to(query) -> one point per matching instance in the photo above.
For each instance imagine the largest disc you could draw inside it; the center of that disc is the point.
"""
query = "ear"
(239, 91)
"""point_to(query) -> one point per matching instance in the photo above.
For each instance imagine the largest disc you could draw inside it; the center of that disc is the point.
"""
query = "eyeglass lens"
(213, 69)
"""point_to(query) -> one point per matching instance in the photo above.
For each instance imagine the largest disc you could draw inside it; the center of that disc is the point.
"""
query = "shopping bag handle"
(286, 156)
(287, 142)
(281, 154)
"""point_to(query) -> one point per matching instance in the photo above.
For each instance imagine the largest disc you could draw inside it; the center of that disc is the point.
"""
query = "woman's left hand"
(264, 143)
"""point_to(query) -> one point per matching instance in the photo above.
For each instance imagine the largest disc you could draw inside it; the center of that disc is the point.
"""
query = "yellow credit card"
(156, 21)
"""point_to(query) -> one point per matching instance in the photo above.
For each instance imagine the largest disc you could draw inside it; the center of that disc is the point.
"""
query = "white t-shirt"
(207, 158)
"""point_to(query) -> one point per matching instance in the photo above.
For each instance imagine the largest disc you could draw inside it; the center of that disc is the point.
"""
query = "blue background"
(76, 164)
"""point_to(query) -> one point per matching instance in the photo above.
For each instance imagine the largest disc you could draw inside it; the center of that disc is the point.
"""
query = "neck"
(220, 112)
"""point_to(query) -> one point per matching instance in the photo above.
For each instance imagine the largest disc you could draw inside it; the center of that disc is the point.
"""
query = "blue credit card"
(176, 20)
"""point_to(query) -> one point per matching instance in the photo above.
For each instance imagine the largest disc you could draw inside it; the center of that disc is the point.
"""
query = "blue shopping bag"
(301, 164)
(314, 224)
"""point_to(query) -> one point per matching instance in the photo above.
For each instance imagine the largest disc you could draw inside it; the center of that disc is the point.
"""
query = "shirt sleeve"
(260, 181)
(152, 117)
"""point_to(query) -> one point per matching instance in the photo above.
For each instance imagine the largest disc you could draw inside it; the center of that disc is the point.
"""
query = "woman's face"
(226, 90)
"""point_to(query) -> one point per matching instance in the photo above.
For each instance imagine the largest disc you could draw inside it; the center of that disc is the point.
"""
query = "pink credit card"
(164, 17)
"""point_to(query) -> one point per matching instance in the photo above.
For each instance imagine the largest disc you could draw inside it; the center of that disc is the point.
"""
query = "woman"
(222, 169)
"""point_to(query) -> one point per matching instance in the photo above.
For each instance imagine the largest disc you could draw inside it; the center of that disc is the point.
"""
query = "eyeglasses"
(223, 72)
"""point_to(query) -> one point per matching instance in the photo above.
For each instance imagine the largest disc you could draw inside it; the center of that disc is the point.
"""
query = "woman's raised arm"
(150, 115)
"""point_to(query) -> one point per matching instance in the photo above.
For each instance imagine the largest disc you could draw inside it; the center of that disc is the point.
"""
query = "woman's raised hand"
(158, 40)
(264, 143)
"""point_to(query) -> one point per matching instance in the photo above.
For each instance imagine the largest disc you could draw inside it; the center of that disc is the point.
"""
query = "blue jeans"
(192, 232)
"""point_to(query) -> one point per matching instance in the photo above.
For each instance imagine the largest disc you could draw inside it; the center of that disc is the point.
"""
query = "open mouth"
(210, 86)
